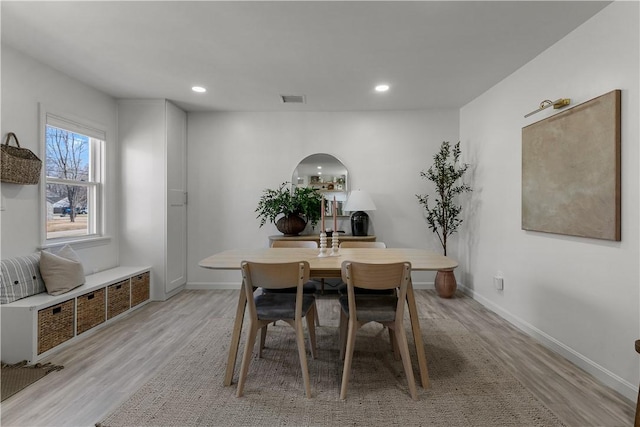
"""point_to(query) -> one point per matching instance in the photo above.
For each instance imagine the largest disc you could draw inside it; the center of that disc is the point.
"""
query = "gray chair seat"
(342, 290)
(275, 306)
(372, 308)
(307, 288)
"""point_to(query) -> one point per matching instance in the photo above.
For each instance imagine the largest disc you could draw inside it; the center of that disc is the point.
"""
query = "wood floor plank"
(105, 368)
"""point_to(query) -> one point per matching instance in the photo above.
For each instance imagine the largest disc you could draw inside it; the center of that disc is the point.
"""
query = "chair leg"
(246, 358)
(263, 338)
(316, 318)
(346, 370)
(313, 312)
(302, 354)
(344, 323)
(401, 337)
(394, 344)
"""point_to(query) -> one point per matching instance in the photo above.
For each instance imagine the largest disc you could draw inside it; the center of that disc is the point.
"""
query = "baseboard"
(423, 285)
(605, 376)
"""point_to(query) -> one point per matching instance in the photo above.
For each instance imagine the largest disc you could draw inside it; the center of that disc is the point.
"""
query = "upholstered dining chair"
(360, 309)
(289, 307)
(342, 287)
(347, 244)
(310, 286)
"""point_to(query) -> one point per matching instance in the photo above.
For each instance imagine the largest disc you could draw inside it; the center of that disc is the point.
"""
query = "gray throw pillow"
(20, 278)
(61, 271)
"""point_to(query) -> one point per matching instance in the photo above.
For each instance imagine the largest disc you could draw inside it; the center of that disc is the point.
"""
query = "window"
(73, 179)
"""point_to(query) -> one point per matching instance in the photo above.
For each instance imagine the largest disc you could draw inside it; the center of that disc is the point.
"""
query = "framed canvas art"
(571, 171)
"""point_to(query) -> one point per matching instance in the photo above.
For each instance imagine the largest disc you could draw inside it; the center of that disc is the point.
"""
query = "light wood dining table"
(329, 267)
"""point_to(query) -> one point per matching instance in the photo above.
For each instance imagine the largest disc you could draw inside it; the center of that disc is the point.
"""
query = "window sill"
(78, 243)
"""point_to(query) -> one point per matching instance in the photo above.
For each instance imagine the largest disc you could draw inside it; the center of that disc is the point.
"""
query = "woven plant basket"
(19, 165)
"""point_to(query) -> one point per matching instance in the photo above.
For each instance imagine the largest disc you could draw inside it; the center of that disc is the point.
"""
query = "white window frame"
(97, 140)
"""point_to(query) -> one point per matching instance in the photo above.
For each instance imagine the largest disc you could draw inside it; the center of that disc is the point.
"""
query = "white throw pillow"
(61, 271)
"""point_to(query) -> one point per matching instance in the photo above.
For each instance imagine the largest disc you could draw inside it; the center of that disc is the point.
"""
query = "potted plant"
(443, 215)
(295, 208)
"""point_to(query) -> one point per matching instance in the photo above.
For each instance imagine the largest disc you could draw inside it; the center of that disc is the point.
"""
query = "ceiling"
(433, 54)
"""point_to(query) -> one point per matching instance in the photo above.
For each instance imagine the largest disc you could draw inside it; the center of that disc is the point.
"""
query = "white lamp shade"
(359, 200)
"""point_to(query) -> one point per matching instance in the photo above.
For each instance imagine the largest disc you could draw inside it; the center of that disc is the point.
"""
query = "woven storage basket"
(139, 288)
(91, 310)
(55, 325)
(19, 165)
(118, 298)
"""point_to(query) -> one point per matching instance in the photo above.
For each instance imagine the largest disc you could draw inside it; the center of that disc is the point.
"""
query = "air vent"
(293, 99)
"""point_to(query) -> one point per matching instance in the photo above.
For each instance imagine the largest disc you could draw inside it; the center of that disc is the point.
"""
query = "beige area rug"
(468, 386)
(14, 378)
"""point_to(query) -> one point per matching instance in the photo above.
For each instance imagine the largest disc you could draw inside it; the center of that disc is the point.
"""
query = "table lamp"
(358, 202)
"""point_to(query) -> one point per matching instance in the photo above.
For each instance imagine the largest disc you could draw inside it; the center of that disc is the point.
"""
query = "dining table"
(330, 267)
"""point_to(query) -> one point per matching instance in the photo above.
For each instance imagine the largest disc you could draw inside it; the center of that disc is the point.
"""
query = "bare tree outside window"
(68, 159)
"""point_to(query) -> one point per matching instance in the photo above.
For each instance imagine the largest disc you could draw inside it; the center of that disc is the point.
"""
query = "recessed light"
(198, 89)
(382, 88)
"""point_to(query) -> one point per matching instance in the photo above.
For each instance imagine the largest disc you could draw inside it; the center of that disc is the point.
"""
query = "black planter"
(291, 225)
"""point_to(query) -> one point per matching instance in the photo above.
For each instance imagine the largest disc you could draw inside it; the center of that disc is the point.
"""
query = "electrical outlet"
(498, 281)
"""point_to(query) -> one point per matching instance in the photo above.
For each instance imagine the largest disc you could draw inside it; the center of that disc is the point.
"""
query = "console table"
(316, 238)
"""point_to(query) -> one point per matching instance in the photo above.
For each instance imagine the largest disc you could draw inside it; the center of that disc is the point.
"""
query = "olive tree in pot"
(294, 207)
(443, 215)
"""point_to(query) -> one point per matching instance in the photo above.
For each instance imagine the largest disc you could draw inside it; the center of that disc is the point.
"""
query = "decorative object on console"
(323, 234)
(297, 207)
(443, 217)
(358, 202)
(335, 242)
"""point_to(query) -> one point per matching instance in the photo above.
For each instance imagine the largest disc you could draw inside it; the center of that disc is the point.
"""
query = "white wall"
(233, 157)
(580, 296)
(25, 83)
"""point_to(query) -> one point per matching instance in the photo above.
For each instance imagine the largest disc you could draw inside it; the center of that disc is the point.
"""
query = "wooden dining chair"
(342, 287)
(266, 308)
(310, 286)
(360, 309)
(347, 244)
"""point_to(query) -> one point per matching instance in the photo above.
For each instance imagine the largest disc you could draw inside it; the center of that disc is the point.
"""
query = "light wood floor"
(104, 368)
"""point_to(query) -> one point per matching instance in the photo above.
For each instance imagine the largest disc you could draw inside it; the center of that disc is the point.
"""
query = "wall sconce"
(559, 103)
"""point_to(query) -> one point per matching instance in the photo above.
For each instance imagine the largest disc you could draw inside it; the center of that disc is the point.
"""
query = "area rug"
(468, 386)
(14, 378)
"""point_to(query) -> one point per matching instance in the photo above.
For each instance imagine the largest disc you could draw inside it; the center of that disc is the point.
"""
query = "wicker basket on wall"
(19, 165)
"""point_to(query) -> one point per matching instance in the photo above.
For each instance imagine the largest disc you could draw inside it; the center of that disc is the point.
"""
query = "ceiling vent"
(293, 99)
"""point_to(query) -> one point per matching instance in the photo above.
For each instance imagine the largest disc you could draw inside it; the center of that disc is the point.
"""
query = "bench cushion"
(20, 278)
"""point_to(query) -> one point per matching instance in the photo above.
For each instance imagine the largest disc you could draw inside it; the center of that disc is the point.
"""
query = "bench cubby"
(36, 326)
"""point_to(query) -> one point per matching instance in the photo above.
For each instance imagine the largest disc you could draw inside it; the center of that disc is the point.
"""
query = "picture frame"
(571, 171)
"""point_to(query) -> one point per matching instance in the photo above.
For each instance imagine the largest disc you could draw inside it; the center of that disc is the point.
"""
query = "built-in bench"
(35, 326)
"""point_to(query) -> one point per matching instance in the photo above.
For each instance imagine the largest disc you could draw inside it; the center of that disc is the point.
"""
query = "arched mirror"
(327, 174)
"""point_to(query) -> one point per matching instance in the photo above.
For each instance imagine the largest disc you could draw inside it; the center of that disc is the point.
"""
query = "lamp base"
(359, 223)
